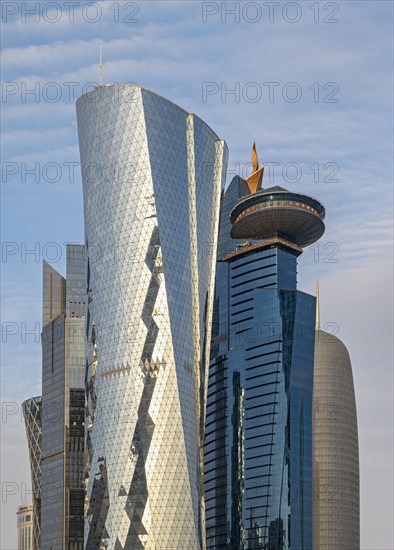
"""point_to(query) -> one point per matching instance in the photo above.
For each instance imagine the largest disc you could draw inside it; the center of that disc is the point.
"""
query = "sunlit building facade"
(258, 441)
(152, 177)
(63, 404)
(336, 502)
(32, 416)
(25, 527)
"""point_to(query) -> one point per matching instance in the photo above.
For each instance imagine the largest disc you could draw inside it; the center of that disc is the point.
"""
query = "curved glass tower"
(152, 177)
(258, 446)
(32, 414)
(336, 506)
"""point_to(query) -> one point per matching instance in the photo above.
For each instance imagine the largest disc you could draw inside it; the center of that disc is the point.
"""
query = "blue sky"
(336, 62)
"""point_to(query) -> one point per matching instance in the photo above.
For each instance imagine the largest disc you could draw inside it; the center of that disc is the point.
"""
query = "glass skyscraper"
(258, 444)
(63, 404)
(152, 176)
(32, 415)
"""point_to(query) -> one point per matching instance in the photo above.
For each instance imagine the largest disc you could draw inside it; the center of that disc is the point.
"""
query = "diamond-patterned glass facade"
(32, 415)
(152, 176)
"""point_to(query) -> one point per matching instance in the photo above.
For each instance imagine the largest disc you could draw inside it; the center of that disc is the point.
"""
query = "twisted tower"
(152, 176)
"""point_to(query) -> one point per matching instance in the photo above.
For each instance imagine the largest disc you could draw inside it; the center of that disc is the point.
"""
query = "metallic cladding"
(336, 504)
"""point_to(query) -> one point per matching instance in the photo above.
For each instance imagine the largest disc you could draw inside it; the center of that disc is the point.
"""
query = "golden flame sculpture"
(255, 179)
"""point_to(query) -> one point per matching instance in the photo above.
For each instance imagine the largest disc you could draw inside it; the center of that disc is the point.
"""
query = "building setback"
(63, 404)
(258, 445)
(336, 504)
(152, 176)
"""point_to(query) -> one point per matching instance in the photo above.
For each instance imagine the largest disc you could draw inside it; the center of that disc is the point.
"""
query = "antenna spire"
(101, 64)
(317, 307)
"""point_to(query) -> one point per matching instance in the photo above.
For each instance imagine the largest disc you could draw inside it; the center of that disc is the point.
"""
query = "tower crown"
(277, 212)
(255, 179)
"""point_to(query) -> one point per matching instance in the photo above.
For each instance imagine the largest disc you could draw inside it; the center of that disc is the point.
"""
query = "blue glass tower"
(258, 446)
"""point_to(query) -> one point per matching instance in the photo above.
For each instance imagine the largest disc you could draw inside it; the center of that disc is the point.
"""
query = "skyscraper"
(336, 505)
(152, 175)
(63, 404)
(258, 446)
(32, 414)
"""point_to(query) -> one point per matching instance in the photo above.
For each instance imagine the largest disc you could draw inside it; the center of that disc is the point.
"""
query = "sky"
(310, 82)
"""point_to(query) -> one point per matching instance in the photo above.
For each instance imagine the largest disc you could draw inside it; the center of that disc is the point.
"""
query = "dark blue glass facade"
(258, 446)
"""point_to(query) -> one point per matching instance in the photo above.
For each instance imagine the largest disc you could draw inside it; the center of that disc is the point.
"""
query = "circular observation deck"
(278, 212)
